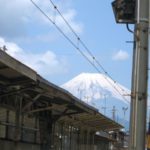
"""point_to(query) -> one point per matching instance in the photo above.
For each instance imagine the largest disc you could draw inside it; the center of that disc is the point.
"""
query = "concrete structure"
(38, 115)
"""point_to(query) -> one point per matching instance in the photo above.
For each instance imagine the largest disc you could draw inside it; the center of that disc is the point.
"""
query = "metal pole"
(114, 113)
(139, 77)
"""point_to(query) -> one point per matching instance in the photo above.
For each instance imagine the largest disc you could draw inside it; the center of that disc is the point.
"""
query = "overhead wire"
(83, 44)
(72, 43)
(77, 47)
(78, 38)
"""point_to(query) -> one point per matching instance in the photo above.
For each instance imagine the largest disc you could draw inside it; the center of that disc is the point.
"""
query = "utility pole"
(79, 92)
(124, 112)
(105, 103)
(114, 113)
(139, 77)
(137, 12)
(87, 98)
(105, 107)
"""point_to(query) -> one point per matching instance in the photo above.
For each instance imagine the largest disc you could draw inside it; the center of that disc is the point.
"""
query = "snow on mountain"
(89, 86)
(101, 92)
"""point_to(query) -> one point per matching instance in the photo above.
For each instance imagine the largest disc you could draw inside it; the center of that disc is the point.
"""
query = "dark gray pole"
(140, 77)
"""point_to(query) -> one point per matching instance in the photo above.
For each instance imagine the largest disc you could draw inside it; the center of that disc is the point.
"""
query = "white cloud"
(16, 16)
(121, 55)
(69, 15)
(46, 63)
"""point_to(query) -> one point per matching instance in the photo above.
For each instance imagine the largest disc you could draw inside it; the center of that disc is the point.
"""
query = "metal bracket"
(144, 20)
(141, 96)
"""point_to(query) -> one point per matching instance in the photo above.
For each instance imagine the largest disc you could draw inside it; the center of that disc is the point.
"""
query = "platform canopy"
(40, 95)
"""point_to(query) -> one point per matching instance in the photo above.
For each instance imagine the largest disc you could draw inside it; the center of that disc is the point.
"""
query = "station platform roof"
(41, 95)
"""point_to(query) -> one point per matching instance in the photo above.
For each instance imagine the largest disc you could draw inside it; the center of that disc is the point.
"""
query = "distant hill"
(100, 91)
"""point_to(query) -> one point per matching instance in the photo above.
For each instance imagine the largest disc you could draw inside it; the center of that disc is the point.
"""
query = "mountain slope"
(101, 92)
(95, 86)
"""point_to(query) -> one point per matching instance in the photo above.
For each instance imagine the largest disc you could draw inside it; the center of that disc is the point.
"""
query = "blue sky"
(32, 39)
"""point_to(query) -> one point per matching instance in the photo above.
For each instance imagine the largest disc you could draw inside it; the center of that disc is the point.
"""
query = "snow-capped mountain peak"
(89, 86)
(103, 93)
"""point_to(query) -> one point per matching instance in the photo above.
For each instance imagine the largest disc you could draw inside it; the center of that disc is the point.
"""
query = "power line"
(78, 38)
(84, 45)
(69, 40)
(76, 47)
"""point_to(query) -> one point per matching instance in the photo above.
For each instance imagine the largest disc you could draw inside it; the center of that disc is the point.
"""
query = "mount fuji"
(109, 97)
